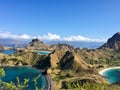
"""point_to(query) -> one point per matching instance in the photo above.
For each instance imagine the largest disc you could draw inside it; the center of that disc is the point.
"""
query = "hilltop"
(68, 65)
(37, 44)
(113, 42)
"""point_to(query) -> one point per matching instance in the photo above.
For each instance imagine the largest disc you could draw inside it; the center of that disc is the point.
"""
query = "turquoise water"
(112, 75)
(24, 72)
(43, 52)
(8, 51)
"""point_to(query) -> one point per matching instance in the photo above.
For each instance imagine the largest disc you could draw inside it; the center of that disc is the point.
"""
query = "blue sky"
(68, 19)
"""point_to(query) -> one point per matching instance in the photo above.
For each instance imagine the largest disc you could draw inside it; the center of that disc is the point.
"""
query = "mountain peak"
(113, 42)
(118, 33)
(37, 44)
(36, 40)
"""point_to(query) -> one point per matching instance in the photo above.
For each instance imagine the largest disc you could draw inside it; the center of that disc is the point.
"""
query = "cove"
(24, 72)
(111, 74)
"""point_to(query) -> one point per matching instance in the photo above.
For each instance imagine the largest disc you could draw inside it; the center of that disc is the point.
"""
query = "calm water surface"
(112, 75)
(8, 51)
(44, 52)
(24, 72)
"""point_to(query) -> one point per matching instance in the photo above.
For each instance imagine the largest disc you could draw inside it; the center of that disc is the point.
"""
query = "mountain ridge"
(113, 42)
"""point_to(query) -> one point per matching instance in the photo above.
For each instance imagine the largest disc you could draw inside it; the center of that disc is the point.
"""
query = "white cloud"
(25, 36)
(81, 38)
(50, 37)
(13, 36)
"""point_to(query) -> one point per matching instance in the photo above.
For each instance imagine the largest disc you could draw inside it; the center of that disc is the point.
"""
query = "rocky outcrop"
(113, 42)
(36, 44)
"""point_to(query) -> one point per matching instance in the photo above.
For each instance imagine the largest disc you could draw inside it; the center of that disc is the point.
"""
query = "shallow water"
(112, 75)
(43, 52)
(8, 51)
(24, 72)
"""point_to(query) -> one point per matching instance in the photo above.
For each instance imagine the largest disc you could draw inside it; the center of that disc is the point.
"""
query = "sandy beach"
(104, 70)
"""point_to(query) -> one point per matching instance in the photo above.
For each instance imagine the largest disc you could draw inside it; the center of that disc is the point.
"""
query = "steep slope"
(72, 61)
(37, 44)
(63, 60)
(113, 42)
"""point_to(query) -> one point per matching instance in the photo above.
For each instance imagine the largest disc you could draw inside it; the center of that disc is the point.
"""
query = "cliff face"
(113, 42)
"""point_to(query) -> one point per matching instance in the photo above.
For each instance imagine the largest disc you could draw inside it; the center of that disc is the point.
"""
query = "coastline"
(106, 69)
(49, 82)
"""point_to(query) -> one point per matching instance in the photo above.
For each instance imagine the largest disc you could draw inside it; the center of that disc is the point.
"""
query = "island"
(66, 67)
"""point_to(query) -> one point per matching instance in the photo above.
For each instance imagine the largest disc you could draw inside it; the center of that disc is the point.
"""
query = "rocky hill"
(68, 66)
(64, 60)
(62, 47)
(37, 44)
(113, 42)
(2, 47)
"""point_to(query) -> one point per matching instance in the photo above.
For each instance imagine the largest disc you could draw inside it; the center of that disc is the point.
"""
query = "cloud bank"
(13, 36)
(50, 37)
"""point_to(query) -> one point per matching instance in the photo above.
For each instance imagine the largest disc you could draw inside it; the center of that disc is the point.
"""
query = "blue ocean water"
(112, 75)
(24, 72)
(43, 52)
(8, 51)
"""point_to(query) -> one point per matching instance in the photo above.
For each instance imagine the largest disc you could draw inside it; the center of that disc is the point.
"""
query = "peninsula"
(69, 67)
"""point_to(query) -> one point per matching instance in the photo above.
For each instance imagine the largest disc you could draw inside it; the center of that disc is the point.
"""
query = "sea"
(112, 75)
(8, 51)
(30, 73)
(89, 45)
(24, 72)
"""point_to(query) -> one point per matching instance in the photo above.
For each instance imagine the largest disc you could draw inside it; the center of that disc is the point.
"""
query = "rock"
(113, 42)
(36, 44)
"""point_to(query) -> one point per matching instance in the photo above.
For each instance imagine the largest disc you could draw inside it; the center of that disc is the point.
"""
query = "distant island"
(69, 67)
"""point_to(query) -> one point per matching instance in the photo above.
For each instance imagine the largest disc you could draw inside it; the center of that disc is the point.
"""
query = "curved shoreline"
(49, 82)
(104, 70)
